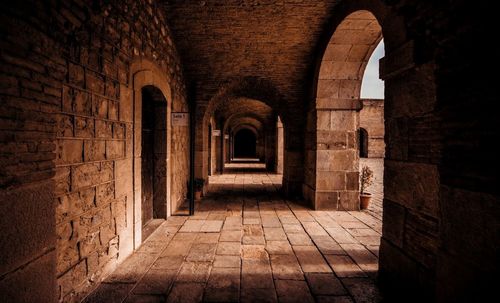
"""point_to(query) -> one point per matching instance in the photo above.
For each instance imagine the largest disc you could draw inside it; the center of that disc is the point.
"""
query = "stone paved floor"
(246, 244)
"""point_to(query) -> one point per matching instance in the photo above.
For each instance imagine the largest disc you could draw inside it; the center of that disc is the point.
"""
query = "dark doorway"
(153, 159)
(363, 143)
(245, 144)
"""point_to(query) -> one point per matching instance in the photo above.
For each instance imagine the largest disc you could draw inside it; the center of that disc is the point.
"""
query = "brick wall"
(67, 138)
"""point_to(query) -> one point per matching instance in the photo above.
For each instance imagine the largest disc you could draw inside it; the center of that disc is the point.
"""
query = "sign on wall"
(226, 137)
(180, 119)
(216, 133)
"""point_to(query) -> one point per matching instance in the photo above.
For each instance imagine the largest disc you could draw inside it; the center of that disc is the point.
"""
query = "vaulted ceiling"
(271, 39)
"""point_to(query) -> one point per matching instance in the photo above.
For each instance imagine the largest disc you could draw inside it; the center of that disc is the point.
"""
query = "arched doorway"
(410, 176)
(245, 144)
(153, 159)
(333, 158)
(363, 143)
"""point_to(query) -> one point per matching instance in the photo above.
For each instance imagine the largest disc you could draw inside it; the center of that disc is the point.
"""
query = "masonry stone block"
(326, 200)
(99, 106)
(83, 175)
(69, 151)
(84, 127)
(35, 282)
(76, 74)
(343, 120)
(331, 139)
(105, 193)
(94, 150)
(65, 126)
(113, 110)
(328, 89)
(95, 82)
(115, 149)
(352, 181)
(330, 180)
(323, 120)
(393, 231)
(82, 103)
(413, 185)
(72, 278)
(103, 129)
(33, 204)
(123, 177)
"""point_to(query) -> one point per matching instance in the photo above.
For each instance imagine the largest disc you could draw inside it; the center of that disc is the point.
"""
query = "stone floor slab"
(284, 252)
(325, 284)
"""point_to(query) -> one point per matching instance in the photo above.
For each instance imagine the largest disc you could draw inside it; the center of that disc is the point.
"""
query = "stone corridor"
(247, 244)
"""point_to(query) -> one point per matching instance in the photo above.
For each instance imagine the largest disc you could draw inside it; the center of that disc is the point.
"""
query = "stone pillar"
(337, 159)
(279, 147)
(293, 163)
(270, 149)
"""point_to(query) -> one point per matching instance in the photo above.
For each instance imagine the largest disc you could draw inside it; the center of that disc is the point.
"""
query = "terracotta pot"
(364, 199)
(197, 195)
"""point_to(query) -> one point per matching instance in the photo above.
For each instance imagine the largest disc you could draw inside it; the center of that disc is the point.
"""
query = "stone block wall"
(67, 139)
(371, 118)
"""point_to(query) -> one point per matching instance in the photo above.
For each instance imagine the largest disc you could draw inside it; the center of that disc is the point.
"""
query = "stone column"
(337, 159)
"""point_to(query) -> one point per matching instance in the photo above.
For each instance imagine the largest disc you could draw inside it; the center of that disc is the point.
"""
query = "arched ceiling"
(276, 40)
(240, 106)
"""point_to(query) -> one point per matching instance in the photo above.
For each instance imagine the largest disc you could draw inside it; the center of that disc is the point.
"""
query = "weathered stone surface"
(231, 236)
(310, 259)
(293, 291)
(229, 248)
(186, 292)
(227, 261)
(155, 281)
(286, 267)
(202, 252)
(325, 284)
(343, 266)
(194, 272)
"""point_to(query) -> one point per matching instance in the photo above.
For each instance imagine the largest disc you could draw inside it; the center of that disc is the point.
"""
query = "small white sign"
(180, 119)
(226, 137)
(216, 133)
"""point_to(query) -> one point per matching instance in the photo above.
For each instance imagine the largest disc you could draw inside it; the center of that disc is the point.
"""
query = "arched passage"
(333, 160)
(411, 178)
(263, 90)
(245, 144)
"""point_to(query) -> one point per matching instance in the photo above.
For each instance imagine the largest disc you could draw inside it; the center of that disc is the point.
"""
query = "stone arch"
(254, 88)
(145, 73)
(236, 118)
(250, 127)
(408, 163)
(333, 160)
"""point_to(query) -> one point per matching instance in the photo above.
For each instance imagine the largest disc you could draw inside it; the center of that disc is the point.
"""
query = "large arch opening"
(409, 177)
(259, 90)
(332, 163)
(244, 140)
(153, 159)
